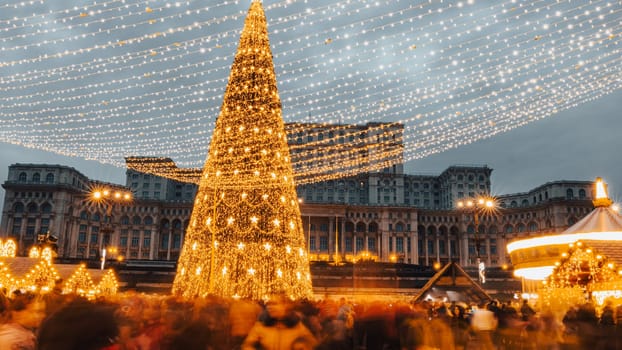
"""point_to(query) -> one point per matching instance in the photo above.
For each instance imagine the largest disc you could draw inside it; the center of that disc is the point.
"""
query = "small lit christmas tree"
(108, 285)
(79, 283)
(245, 237)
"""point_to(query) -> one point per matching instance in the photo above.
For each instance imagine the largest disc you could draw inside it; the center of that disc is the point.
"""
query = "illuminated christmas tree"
(245, 236)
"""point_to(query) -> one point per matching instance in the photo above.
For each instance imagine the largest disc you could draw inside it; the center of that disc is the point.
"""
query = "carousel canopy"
(535, 258)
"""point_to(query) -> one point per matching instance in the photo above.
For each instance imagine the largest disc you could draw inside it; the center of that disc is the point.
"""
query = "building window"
(135, 239)
(359, 244)
(312, 243)
(82, 237)
(146, 242)
(323, 243)
(176, 241)
(94, 238)
(430, 247)
(45, 224)
(323, 228)
(399, 244)
(36, 177)
(123, 241)
(348, 244)
(22, 177)
(441, 248)
(164, 243)
(371, 244)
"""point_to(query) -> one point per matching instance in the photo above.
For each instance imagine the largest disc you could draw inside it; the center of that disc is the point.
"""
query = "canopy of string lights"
(110, 79)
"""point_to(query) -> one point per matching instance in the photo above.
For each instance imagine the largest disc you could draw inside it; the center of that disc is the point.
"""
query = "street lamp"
(108, 197)
(476, 206)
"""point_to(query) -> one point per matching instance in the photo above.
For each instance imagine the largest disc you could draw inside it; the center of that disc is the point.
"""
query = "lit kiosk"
(245, 237)
(588, 255)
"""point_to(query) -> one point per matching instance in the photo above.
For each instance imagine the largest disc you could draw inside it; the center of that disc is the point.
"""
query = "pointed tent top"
(455, 284)
(602, 198)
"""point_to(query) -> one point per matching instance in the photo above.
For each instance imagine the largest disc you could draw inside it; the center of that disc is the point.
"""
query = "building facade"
(55, 198)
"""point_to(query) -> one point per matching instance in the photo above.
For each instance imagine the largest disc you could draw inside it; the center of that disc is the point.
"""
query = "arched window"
(509, 229)
(22, 177)
(533, 226)
(33, 208)
(520, 227)
(373, 227)
(84, 215)
(96, 217)
(49, 178)
(513, 204)
(36, 177)
(136, 220)
(177, 224)
(349, 226)
(399, 227)
(524, 203)
(46, 208)
(582, 194)
(18, 207)
(148, 220)
(569, 193)
(165, 224)
(125, 220)
(470, 229)
(431, 230)
(492, 230)
(360, 227)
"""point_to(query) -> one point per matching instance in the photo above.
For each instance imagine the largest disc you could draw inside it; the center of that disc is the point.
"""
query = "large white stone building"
(55, 198)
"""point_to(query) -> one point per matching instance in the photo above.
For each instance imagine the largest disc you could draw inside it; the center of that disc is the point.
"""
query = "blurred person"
(80, 325)
(242, 316)
(484, 323)
(277, 328)
(549, 332)
(21, 317)
(421, 333)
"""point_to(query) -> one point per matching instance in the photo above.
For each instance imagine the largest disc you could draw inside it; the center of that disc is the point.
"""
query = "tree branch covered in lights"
(582, 266)
(245, 236)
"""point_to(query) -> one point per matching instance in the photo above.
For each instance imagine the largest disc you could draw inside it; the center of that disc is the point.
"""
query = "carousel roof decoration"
(535, 258)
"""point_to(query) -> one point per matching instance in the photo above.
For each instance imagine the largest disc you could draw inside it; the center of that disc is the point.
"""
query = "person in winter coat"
(278, 328)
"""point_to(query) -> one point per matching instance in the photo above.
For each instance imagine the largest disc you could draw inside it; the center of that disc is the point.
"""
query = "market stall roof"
(454, 284)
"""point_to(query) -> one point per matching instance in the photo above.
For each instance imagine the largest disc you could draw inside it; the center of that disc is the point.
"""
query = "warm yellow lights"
(534, 273)
(563, 239)
(245, 248)
(602, 199)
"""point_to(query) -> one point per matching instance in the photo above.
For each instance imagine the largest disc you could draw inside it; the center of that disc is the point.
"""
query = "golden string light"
(245, 237)
(451, 73)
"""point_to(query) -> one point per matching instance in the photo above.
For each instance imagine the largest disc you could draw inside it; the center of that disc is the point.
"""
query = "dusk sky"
(530, 89)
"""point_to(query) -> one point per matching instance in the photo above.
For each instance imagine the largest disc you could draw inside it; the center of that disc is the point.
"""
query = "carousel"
(585, 261)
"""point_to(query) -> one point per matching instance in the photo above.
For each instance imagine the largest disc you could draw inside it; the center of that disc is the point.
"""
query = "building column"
(331, 238)
(464, 258)
(414, 253)
(384, 246)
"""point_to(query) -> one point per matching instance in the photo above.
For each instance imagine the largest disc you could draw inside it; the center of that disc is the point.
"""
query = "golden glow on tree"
(80, 283)
(245, 237)
(8, 248)
(41, 278)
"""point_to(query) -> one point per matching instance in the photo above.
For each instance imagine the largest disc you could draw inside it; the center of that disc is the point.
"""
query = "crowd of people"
(132, 321)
